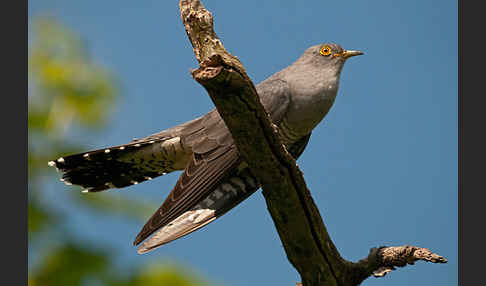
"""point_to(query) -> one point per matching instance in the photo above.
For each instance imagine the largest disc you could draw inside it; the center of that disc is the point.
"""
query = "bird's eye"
(325, 51)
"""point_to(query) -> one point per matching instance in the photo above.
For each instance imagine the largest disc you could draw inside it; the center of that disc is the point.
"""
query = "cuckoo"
(215, 178)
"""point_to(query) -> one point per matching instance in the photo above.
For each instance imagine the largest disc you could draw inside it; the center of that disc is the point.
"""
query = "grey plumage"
(215, 179)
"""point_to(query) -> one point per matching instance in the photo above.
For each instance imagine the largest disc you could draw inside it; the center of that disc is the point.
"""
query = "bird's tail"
(124, 165)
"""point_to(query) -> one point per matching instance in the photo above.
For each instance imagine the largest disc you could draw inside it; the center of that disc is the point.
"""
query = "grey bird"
(215, 178)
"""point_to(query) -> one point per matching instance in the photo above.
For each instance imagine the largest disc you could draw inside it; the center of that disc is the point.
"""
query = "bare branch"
(303, 234)
(384, 259)
(399, 256)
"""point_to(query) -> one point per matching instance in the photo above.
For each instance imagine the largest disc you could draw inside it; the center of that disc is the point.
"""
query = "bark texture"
(307, 243)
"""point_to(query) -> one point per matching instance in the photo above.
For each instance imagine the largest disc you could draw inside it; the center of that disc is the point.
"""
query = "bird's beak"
(350, 53)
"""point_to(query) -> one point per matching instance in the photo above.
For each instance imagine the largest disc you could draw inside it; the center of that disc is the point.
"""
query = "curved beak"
(350, 53)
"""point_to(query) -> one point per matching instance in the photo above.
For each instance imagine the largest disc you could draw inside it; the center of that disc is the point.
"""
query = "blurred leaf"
(38, 217)
(112, 204)
(68, 86)
(166, 275)
(69, 265)
(68, 90)
(159, 274)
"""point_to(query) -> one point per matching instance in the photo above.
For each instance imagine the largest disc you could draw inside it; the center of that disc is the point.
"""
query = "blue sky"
(382, 166)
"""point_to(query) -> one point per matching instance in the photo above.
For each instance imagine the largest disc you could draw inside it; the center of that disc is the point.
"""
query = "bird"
(215, 178)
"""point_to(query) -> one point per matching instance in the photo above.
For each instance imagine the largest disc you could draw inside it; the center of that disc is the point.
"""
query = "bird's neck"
(313, 94)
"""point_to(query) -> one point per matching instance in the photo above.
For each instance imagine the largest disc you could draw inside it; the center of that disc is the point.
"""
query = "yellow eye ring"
(325, 50)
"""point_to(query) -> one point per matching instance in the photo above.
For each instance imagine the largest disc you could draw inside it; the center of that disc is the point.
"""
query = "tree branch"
(304, 236)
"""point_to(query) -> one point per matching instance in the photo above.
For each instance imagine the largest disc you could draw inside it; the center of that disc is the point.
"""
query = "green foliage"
(159, 274)
(107, 203)
(65, 87)
(38, 217)
(68, 90)
(70, 264)
(70, 86)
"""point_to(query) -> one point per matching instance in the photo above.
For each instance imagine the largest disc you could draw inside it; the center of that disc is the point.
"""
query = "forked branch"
(301, 229)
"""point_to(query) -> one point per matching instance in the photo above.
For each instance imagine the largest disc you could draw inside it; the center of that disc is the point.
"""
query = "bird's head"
(328, 56)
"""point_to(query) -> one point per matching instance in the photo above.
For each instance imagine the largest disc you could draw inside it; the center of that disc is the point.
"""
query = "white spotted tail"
(124, 165)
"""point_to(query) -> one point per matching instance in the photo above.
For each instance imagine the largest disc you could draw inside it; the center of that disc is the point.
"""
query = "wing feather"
(215, 159)
(199, 178)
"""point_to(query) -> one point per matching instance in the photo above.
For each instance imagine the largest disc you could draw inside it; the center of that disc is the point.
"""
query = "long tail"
(124, 165)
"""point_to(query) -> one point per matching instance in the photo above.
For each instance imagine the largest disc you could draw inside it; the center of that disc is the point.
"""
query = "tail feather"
(123, 165)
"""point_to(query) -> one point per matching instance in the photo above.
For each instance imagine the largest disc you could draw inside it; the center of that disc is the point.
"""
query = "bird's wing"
(275, 97)
(215, 159)
(228, 193)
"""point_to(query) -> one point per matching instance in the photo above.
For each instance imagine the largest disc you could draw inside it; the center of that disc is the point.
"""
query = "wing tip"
(148, 247)
(138, 239)
(188, 222)
(143, 250)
